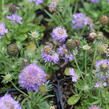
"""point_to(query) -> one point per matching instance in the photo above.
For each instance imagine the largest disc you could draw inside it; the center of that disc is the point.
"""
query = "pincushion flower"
(65, 54)
(49, 55)
(94, 1)
(3, 30)
(94, 107)
(7, 102)
(80, 20)
(73, 74)
(38, 2)
(100, 84)
(31, 77)
(15, 18)
(59, 34)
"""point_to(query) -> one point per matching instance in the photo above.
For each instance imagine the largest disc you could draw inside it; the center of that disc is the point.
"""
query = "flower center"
(47, 49)
(60, 32)
(9, 105)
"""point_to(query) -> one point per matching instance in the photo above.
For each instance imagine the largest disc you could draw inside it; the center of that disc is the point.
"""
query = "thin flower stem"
(18, 89)
(77, 63)
(3, 9)
(94, 58)
(85, 61)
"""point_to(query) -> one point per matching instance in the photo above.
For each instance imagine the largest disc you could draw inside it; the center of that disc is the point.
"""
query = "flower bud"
(7, 78)
(102, 48)
(86, 47)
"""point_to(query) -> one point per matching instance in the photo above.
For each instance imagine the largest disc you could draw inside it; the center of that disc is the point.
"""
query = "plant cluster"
(39, 38)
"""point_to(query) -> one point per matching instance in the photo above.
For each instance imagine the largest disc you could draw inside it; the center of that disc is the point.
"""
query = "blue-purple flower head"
(50, 55)
(94, 1)
(3, 30)
(7, 102)
(65, 54)
(73, 74)
(31, 77)
(38, 2)
(80, 21)
(100, 84)
(94, 107)
(102, 65)
(15, 18)
(59, 34)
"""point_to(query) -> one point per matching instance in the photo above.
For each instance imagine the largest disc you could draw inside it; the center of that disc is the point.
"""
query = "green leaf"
(73, 99)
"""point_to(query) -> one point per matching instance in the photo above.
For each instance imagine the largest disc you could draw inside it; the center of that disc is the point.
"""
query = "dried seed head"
(104, 20)
(92, 36)
(72, 43)
(12, 49)
(13, 8)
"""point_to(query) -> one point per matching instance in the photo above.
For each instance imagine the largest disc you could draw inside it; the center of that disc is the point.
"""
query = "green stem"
(3, 9)
(77, 64)
(76, 6)
(85, 61)
(94, 58)
(18, 89)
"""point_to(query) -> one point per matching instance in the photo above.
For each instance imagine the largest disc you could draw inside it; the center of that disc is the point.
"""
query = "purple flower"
(94, 1)
(100, 84)
(63, 52)
(7, 102)
(73, 74)
(107, 1)
(59, 34)
(94, 107)
(49, 55)
(37, 1)
(15, 18)
(69, 57)
(102, 65)
(31, 77)
(80, 20)
(3, 30)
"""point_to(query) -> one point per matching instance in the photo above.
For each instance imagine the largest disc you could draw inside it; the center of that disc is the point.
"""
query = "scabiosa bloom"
(94, 1)
(38, 2)
(15, 18)
(49, 55)
(80, 20)
(94, 107)
(7, 102)
(102, 65)
(3, 30)
(59, 34)
(73, 74)
(63, 52)
(31, 77)
(100, 84)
